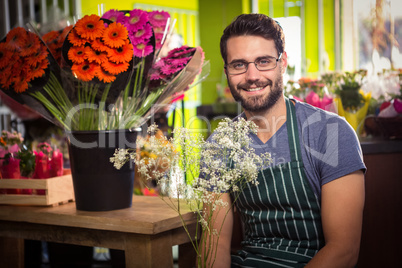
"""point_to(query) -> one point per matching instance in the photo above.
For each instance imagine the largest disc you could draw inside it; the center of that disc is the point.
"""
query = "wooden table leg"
(187, 256)
(12, 252)
(146, 251)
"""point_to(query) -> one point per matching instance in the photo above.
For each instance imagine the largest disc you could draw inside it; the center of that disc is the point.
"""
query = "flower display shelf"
(58, 190)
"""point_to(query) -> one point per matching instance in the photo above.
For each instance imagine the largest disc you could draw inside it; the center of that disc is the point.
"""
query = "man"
(307, 209)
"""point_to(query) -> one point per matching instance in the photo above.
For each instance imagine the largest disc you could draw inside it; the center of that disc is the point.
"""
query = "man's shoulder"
(308, 115)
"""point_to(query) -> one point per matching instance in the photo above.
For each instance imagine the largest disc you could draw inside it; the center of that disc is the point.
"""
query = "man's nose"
(252, 72)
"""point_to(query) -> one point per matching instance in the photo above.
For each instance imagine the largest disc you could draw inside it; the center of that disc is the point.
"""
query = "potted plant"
(109, 82)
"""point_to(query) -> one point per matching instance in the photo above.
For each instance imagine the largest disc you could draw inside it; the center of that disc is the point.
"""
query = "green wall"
(91, 6)
(214, 16)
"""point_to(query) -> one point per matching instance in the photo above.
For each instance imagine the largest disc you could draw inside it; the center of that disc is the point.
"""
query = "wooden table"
(146, 231)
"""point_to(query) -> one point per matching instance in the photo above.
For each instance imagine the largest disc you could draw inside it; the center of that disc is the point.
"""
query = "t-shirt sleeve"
(340, 151)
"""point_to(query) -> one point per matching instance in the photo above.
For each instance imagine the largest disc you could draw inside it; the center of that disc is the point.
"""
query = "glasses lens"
(266, 63)
(237, 67)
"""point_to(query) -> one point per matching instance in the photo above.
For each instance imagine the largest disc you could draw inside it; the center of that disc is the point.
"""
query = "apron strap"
(293, 132)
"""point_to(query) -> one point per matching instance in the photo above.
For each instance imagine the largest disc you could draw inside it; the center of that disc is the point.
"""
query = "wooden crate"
(58, 190)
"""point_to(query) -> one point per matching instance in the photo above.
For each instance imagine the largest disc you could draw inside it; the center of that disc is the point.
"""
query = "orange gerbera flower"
(85, 71)
(77, 54)
(16, 38)
(90, 27)
(38, 70)
(115, 68)
(121, 54)
(6, 77)
(38, 56)
(31, 46)
(5, 55)
(64, 33)
(115, 35)
(75, 39)
(50, 36)
(105, 76)
(99, 45)
(95, 56)
(20, 85)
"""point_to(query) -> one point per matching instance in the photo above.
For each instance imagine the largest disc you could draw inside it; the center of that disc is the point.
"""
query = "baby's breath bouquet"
(199, 173)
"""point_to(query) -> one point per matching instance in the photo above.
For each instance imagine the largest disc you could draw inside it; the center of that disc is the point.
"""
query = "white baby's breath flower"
(225, 163)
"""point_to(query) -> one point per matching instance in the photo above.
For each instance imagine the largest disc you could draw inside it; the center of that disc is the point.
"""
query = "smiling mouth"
(253, 89)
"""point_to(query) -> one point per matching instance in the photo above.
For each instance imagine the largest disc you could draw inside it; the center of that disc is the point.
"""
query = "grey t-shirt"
(330, 147)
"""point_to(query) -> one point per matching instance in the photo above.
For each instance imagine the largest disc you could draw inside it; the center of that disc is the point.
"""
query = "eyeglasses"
(262, 64)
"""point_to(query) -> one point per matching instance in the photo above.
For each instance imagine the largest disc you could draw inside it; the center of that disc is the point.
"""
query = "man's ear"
(284, 60)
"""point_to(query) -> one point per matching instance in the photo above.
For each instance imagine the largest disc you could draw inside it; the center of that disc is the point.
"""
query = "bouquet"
(352, 102)
(312, 91)
(102, 73)
(225, 164)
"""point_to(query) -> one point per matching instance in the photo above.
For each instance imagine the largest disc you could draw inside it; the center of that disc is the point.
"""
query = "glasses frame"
(255, 64)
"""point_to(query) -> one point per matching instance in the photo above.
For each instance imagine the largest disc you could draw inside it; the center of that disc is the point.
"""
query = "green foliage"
(349, 90)
(27, 163)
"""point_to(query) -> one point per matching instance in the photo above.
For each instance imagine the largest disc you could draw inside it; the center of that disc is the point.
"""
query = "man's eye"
(238, 65)
(264, 61)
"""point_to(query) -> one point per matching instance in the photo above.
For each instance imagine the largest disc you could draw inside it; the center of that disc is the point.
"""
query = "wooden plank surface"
(148, 215)
(57, 189)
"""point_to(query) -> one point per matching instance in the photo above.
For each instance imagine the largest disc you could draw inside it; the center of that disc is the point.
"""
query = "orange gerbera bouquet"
(101, 73)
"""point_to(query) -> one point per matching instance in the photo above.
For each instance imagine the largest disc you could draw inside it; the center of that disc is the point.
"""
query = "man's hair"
(256, 25)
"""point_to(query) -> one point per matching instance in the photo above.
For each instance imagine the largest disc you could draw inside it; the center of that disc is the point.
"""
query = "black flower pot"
(98, 185)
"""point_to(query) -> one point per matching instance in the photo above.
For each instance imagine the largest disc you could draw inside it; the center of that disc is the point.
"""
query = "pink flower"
(158, 18)
(398, 105)
(142, 49)
(142, 35)
(115, 16)
(136, 20)
(325, 102)
(313, 99)
(183, 51)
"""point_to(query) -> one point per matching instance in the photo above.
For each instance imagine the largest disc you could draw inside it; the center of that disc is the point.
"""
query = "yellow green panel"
(311, 35)
(329, 32)
(91, 6)
(295, 10)
(263, 6)
(279, 8)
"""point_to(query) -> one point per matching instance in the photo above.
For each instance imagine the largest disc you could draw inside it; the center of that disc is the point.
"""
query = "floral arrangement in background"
(23, 58)
(145, 185)
(312, 91)
(54, 41)
(18, 161)
(349, 90)
(102, 80)
(225, 164)
(140, 25)
(98, 51)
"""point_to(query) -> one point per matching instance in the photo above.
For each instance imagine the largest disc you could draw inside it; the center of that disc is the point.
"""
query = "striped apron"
(282, 215)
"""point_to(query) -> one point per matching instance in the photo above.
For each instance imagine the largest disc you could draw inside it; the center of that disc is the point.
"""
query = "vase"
(98, 185)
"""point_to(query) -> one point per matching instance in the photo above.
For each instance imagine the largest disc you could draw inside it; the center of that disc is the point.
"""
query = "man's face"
(256, 90)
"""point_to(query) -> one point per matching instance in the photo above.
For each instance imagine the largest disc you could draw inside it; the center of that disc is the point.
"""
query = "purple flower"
(158, 18)
(143, 34)
(142, 49)
(183, 51)
(115, 16)
(136, 20)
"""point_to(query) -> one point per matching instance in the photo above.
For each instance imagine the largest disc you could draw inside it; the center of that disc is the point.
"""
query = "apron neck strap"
(293, 132)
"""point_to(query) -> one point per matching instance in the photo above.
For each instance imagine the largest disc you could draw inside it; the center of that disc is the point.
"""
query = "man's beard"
(258, 103)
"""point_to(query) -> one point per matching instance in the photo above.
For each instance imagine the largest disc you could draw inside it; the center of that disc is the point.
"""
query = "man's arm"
(342, 204)
(224, 244)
